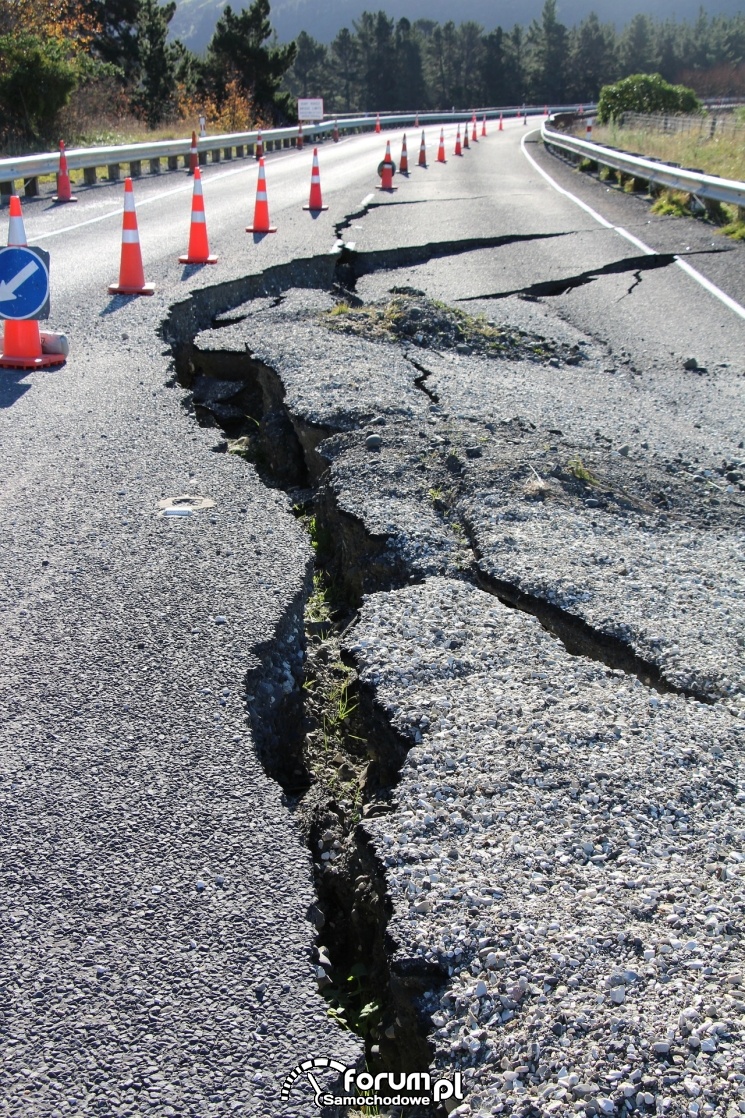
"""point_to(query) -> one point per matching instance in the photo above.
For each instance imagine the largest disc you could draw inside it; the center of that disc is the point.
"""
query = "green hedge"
(645, 93)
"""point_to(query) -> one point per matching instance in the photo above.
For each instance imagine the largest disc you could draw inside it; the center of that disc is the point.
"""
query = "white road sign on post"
(310, 108)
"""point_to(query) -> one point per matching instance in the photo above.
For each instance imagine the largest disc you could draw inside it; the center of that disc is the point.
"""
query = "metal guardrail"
(706, 187)
(30, 168)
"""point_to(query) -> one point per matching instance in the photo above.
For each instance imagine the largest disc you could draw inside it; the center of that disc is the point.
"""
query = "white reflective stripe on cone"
(261, 196)
(130, 237)
(197, 218)
(129, 202)
(16, 233)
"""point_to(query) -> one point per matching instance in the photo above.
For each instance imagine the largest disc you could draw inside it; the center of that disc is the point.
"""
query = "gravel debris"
(567, 847)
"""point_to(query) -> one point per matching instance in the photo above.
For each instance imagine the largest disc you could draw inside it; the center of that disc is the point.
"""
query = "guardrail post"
(89, 176)
(239, 151)
(6, 190)
(135, 168)
(155, 166)
(201, 156)
(113, 170)
(173, 163)
(215, 155)
(227, 153)
(31, 187)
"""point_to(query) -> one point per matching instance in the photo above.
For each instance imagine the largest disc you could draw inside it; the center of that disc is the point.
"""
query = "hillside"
(194, 20)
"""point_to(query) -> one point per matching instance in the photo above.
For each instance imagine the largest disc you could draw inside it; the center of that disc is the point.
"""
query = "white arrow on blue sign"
(24, 283)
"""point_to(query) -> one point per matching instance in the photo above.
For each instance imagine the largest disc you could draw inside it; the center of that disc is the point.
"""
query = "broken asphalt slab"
(562, 848)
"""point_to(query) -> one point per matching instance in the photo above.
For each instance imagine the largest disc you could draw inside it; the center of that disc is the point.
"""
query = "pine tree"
(308, 75)
(237, 52)
(547, 57)
(636, 48)
(592, 59)
(344, 68)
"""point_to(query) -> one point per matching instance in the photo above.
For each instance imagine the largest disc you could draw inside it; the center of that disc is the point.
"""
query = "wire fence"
(705, 127)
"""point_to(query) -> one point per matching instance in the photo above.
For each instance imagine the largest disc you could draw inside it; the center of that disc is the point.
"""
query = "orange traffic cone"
(465, 138)
(474, 133)
(386, 170)
(483, 126)
(458, 148)
(64, 193)
(403, 163)
(441, 148)
(416, 121)
(21, 347)
(299, 143)
(336, 131)
(199, 249)
(422, 153)
(588, 129)
(316, 200)
(193, 154)
(501, 126)
(261, 210)
(259, 146)
(377, 122)
(131, 275)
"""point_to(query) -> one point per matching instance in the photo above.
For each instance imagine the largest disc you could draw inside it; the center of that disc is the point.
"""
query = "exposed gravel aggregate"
(566, 843)
(567, 846)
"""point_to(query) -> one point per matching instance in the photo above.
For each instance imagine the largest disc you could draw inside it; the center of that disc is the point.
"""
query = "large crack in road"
(405, 499)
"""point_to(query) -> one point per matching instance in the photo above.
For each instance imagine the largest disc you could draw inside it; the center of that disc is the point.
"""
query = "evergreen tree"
(156, 89)
(514, 65)
(375, 45)
(344, 69)
(115, 38)
(547, 57)
(493, 72)
(237, 52)
(441, 67)
(470, 62)
(410, 90)
(308, 75)
(592, 59)
(636, 48)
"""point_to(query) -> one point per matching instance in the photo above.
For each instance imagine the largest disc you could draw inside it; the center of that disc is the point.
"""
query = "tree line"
(382, 64)
(115, 56)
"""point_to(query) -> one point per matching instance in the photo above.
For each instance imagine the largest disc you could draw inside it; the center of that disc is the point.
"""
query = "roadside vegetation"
(722, 155)
(698, 140)
(106, 71)
(110, 71)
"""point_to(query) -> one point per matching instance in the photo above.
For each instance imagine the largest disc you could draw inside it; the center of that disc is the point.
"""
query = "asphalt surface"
(158, 949)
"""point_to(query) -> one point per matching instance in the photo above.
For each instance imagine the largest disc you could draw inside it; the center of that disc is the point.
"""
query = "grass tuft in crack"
(431, 324)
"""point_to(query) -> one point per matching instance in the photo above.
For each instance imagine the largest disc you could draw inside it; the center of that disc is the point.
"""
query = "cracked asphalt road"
(145, 960)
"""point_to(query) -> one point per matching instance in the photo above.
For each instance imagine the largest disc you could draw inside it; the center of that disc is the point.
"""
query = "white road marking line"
(187, 188)
(712, 288)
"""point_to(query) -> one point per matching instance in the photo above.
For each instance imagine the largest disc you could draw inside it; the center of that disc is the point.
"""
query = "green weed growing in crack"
(577, 467)
(351, 1004)
(318, 605)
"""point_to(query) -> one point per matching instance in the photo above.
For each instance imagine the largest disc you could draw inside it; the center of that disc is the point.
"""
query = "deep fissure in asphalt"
(353, 907)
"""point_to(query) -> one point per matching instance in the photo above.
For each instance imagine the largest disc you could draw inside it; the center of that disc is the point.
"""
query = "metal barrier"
(706, 187)
(29, 168)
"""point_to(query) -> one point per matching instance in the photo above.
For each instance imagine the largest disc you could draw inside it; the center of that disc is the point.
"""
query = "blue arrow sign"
(24, 283)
